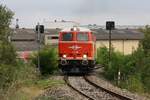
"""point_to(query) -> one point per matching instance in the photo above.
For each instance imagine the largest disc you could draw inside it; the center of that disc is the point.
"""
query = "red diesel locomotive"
(77, 50)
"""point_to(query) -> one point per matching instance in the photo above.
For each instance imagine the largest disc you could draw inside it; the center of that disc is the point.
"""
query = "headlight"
(64, 56)
(84, 56)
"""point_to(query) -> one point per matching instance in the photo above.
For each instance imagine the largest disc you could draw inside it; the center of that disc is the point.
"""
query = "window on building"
(67, 37)
(82, 36)
(52, 37)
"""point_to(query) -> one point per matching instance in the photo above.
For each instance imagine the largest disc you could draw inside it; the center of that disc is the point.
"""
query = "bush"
(102, 56)
(7, 53)
(110, 68)
(19, 72)
(48, 60)
(13, 76)
(134, 68)
(135, 84)
(24, 71)
(146, 74)
(6, 75)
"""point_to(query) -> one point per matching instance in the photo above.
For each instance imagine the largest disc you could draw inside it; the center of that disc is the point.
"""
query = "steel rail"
(106, 90)
(81, 93)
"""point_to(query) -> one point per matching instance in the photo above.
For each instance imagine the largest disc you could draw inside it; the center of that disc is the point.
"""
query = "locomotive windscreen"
(67, 37)
(82, 36)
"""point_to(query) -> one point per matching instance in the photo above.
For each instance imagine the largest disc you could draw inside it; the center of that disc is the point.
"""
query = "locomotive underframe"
(76, 66)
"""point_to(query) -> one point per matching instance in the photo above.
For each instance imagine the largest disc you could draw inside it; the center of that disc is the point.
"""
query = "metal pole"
(110, 45)
(38, 33)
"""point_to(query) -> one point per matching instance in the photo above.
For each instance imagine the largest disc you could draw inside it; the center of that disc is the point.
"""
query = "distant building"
(123, 40)
(51, 40)
(24, 40)
(124, 26)
(51, 37)
(59, 24)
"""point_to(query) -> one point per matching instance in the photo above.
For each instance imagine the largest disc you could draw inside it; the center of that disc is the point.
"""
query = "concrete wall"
(124, 46)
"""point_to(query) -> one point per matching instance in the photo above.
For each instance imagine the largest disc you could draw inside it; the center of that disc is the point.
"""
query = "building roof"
(52, 31)
(23, 35)
(119, 34)
(25, 39)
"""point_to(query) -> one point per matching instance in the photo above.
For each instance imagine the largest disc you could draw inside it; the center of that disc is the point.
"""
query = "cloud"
(84, 11)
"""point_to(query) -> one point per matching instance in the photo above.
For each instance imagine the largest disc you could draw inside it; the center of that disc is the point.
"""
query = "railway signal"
(110, 25)
(39, 29)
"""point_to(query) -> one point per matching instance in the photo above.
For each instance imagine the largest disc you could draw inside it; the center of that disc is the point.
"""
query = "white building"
(59, 24)
(51, 39)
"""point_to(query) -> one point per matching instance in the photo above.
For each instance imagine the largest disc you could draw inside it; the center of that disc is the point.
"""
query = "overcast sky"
(124, 12)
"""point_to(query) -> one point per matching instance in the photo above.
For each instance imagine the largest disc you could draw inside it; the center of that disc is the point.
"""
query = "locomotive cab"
(77, 50)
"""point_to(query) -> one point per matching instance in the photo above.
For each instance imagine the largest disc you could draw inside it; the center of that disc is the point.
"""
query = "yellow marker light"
(85, 56)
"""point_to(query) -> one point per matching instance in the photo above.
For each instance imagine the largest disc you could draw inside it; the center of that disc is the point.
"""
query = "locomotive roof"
(81, 29)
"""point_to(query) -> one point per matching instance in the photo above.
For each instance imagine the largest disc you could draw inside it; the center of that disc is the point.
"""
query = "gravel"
(62, 92)
(90, 90)
(102, 82)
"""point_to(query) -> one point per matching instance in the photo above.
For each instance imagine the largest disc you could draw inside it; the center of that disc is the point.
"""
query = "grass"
(45, 82)
(49, 82)
(30, 89)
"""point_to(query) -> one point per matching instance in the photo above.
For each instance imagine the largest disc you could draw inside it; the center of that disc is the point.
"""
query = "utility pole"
(17, 23)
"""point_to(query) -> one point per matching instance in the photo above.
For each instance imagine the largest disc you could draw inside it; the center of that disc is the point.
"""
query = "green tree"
(146, 41)
(145, 60)
(146, 73)
(12, 71)
(7, 52)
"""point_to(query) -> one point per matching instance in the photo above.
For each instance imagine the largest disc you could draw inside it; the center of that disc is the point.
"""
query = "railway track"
(106, 90)
(90, 90)
(75, 89)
